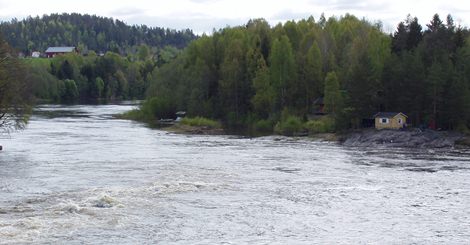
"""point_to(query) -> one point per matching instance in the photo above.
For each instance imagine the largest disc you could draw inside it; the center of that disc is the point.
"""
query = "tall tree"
(263, 100)
(435, 88)
(282, 71)
(332, 99)
(235, 90)
(314, 66)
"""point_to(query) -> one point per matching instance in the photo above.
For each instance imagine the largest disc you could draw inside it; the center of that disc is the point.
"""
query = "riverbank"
(412, 138)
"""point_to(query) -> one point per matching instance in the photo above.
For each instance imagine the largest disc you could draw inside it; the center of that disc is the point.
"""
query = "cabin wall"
(393, 123)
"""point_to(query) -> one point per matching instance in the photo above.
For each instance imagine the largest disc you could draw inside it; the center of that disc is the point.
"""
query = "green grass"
(135, 114)
(200, 122)
(322, 125)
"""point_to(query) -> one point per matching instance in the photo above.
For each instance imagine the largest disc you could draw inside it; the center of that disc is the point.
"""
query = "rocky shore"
(411, 138)
(414, 138)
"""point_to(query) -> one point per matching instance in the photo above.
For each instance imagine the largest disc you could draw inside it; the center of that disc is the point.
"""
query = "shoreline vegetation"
(157, 113)
(366, 137)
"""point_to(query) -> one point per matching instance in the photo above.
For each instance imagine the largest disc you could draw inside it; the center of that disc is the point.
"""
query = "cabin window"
(400, 121)
(384, 120)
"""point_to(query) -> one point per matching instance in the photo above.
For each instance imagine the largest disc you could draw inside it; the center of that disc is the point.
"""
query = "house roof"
(388, 114)
(60, 49)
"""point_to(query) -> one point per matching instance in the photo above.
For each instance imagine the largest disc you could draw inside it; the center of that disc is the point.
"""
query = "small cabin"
(390, 120)
(54, 51)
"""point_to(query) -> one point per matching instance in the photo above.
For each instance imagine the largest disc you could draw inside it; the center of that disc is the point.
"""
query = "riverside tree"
(15, 99)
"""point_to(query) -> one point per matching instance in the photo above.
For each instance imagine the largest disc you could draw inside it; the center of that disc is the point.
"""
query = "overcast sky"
(205, 15)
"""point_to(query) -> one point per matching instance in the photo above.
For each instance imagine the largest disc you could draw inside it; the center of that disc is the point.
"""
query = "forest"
(88, 32)
(261, 78)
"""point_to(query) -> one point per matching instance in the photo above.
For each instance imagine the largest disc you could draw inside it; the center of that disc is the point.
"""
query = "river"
(76, 175)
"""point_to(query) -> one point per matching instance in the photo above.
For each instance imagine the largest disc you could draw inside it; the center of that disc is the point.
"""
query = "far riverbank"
(411, 138)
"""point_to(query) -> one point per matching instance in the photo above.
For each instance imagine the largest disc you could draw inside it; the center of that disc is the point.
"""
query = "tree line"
(88, 32)
(261, 75)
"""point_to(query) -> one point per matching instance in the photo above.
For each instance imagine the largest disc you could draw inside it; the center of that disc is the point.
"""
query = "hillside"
(88, 32)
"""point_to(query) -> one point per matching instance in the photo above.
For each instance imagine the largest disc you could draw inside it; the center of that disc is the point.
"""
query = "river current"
(76, 175)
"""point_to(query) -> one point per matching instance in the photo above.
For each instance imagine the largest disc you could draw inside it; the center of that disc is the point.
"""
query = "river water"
(78, 176)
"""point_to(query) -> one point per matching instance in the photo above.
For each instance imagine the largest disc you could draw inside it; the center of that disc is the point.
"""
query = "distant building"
(390, 120)
(53, 51)
(36, 54)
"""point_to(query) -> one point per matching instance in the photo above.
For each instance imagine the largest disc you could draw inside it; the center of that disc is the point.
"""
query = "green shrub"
(322, 125)
(289, 126)
(263, 126)
(200, 122)
(135, 114)
(158, 108)
(71, 90)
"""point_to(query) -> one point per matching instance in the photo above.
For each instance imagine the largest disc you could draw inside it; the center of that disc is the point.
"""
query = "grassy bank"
(201, 122)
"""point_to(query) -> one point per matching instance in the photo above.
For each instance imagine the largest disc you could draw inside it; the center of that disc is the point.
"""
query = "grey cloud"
(127, 11)
(291, 15)
(199, 23)
(350, 5)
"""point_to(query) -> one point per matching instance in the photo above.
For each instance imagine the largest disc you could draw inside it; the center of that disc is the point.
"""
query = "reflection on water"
(77, 175)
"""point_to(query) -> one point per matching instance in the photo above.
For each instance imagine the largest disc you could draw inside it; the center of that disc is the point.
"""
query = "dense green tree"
(436, 80)
(15, 95)
(332, 99)
(144, 52)
(313, 67)
(282, 72)
(263, 100)
(98, 87)
(234, 89)
(71, 91)
(65, 71)
(407, 36)
(363, 84)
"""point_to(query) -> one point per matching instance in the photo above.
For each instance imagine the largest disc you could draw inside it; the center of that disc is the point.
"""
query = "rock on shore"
(403, 138)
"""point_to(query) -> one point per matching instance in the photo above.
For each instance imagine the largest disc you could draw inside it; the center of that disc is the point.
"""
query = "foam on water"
(104, 201)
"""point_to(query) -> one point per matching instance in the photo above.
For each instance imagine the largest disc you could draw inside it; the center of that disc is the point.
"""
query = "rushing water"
(78, 176)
